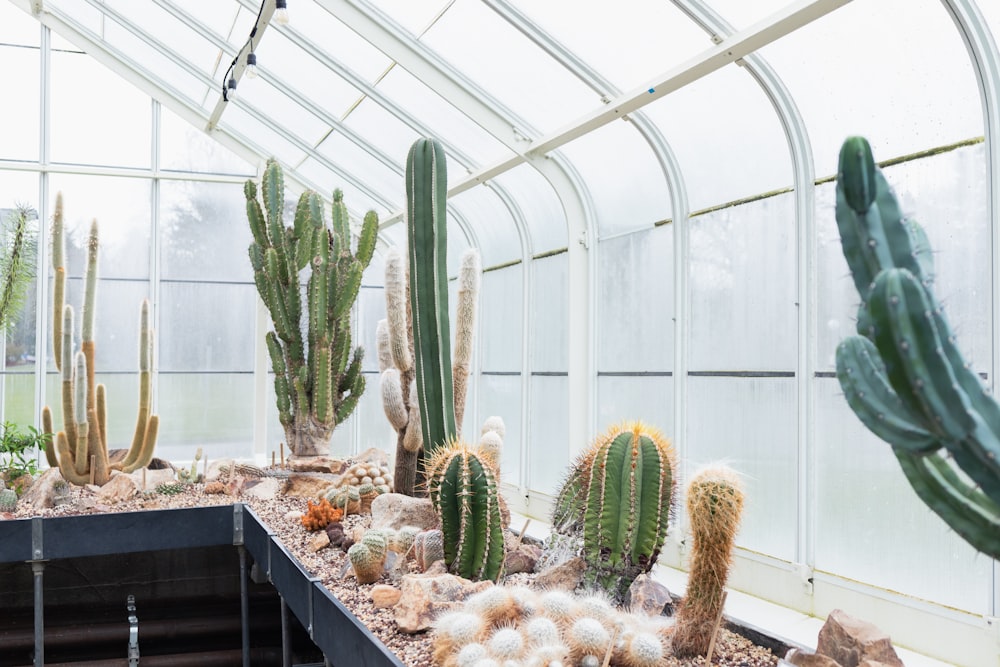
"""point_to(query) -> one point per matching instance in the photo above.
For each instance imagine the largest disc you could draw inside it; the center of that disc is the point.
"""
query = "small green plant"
(170, 488)
(17, 450)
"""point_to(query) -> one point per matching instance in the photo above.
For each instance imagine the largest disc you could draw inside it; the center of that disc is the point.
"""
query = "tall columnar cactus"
(620, 495)
(17, 262)
(396, 359)
(317, 377)
(715, 507)
(904, 376)
(463, 490)
(81, 448)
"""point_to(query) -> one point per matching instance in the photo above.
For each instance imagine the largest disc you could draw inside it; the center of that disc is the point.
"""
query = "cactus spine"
(620, 495)
(84, 437)
(318, 378)
(424, 396)
(715, 506)
(463, 490)
(903, 376)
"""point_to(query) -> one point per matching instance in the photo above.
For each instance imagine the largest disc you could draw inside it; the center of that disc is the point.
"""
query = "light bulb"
(231, 90)
(251, 70)
(281, 12)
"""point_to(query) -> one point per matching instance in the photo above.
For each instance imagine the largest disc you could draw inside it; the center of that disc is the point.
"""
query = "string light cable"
(229, 80)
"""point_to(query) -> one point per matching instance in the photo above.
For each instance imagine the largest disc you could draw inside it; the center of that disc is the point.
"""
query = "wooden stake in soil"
(520, 536)
(273, 455)
(144, 479)
(282, 454)
(611, 648)
(715, 629)
(93, 464)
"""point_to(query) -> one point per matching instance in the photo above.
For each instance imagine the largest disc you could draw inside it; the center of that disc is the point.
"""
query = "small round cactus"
(367, 564)
(541, 631)
(643, 649)
(558, 605)
(8, 499)
(454, 630)
(469, 655)
(506, 644)
(587, 637)
(496, 605)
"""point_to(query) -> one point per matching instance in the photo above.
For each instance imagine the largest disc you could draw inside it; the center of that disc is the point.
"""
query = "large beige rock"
(373, 455)
(384, 595)
(804, 659)
(267, 488)
(46, 490)
(120, 487)
(395, 510)
(851, 641)
(565, 576)
(153, 478)
(424, 596)
(646, 595)
(307, 484)
(326, 464)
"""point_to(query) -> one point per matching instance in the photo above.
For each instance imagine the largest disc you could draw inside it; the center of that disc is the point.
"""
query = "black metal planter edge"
(340, 635)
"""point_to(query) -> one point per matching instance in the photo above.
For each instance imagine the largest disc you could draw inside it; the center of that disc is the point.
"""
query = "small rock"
(395, 510)
(648, 596)
(437, 567)
(294, 515)
(42, 493)
(320, 541)
(264, 489)
(120, 487)
(384, 595)
(325, 464)
(153, 478)
(215, 468)
(850, 641)
(804, 659)
(307, 485)
(424, 596)
(6, 515)
(566, 576)
(215, 487)
(234, 487)
(523, 559)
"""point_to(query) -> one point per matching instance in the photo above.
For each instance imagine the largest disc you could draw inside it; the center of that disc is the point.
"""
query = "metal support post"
(37, 567)
(286, 640)
(244, 606)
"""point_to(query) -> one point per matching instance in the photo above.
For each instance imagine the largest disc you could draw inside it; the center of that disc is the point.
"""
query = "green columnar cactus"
(317, 377)
(84, 436)
(463, 491)
(619, 495)
(715, 507)
(904, 376)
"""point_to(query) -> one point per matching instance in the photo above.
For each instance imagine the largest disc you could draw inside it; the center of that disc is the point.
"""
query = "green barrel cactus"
(8, 499)
(904, 376)
(317, 376)
(619, 496)
(463, 490)
(81, 448)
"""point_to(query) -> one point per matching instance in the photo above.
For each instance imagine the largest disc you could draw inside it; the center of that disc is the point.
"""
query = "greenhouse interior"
(727, 272)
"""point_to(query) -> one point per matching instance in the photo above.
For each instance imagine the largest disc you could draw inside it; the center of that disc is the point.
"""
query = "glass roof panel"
(277, 55)
(457, 244)
(383, 130)
(611, 38)
(991, 12)
(543, 212)
(498, 58)
(186, 148)
(414, 15)
(625, 180)
(741, 14)
(440, 117)
(281, 110)
(219, 17)
(321, 27)
(325, 181)
(242, 123)
(18, 27)
(365, 167)
(492, 224)
(726, 136)
(918, 90)
(88, 16)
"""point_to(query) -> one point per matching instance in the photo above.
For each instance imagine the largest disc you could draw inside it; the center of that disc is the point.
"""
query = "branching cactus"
(715, 507)
(620, 495)
(904, 376)
(463, 490)
(84, 437)
(317, 376)
(394, 337)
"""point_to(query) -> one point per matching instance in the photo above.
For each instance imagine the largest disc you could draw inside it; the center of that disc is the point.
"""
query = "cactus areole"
(317, 375)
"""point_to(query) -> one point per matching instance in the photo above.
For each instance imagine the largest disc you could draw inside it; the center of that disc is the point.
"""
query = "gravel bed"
(331, 567)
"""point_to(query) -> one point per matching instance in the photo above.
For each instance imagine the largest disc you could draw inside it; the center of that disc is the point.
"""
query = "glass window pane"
(18, 27)
(123, 405)
(625, 180)
(744, 14)
(635, 328)
(864, 498)
(184, 147)
(19, 398)
(17, 188)
(214, 411)
(321, 27)
(540, 205)
(954, 213)
(81, 129)
(19, 121)
(204, 233)
(370, 309)
(374, 429)
(627, 398)
(550, 314)
(116, 323)
(548, 433)
(742, 278)
(501, 319)
(500, 395)
(207, 327)
(726, 137)
(280, 110)
(932, 92)
(367, 168)
(492, 224)
(496, 56)
(757, 438)
(222, 18)
(121, 207)
(382, 129)
(274, 144)
(326, 181)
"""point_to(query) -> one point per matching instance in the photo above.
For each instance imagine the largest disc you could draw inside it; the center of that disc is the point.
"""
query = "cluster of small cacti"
(320, 515)
(8, 498)
(369, 472)
(619, 496)
(81, 448)
(170, 488)
(715, 506)
(463, 489)
(518, 626)
(423, 386)
(317, 377)
(191, 476)
(367, 557)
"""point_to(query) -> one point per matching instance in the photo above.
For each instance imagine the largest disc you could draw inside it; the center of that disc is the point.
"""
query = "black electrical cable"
(236, 58)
